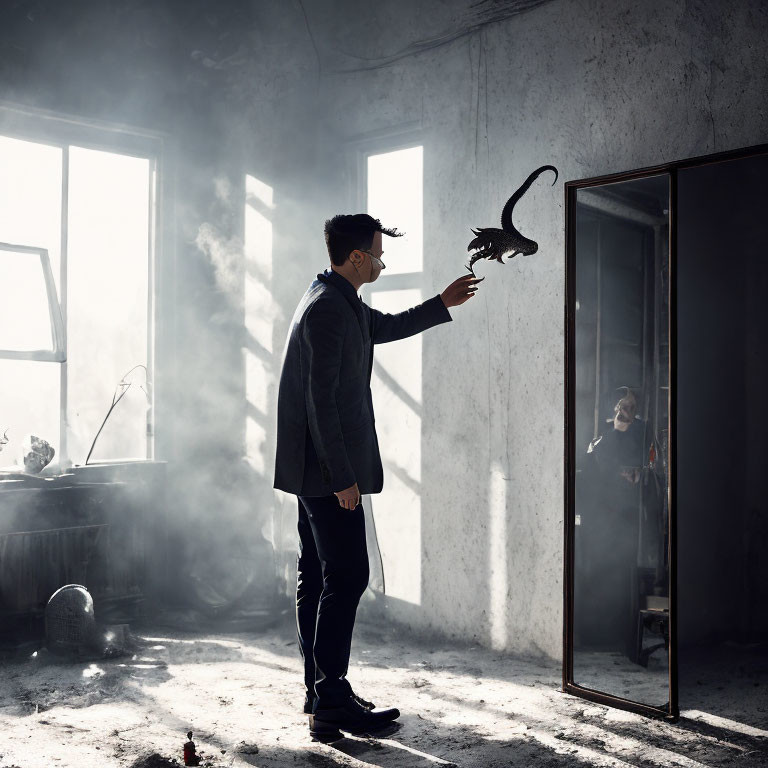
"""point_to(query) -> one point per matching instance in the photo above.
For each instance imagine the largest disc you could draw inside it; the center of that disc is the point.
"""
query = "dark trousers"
(332, 576)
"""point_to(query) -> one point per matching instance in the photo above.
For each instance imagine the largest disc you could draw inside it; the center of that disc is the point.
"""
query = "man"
(610, 525)
(328, 455)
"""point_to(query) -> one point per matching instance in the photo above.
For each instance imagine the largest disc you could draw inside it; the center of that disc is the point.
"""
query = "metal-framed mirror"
(640, 246)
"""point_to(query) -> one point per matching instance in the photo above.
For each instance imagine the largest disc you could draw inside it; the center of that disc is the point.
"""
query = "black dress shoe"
(326, 724)
(369, 705)
(309, 701)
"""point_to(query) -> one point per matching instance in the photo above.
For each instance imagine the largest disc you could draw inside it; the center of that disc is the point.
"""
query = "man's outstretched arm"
(386, 327)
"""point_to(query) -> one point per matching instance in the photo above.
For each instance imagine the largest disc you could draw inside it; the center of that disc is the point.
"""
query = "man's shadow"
(391, 749)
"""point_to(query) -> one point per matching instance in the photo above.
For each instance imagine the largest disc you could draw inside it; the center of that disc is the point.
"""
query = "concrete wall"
(592, 88)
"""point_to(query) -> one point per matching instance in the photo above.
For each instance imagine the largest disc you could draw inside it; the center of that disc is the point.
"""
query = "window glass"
(25, 322)
(395, 182)
(29, 405)
(107, 317)
(30, 197)
(30, 214)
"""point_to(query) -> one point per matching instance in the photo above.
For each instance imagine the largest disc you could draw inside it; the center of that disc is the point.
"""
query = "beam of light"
(724, 723)
(398, 508)
(497, 558)
(411, 750)
(260, 313)
(587, 755)
(542, 715)
(181, 641)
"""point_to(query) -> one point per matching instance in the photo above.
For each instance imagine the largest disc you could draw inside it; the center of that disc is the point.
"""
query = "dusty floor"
(241, 694)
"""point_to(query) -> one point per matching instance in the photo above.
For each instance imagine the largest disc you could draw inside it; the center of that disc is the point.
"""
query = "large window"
(92, 210)
(394, 182)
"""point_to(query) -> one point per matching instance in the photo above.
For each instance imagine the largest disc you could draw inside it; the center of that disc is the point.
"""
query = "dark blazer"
(326, 438)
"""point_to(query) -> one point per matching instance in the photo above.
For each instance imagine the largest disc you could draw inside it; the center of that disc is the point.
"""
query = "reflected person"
(610, 519)
(328, 456)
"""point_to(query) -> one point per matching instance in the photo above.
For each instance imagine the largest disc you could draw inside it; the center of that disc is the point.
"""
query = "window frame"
(62, 131)
(58, 352)
(381, 142)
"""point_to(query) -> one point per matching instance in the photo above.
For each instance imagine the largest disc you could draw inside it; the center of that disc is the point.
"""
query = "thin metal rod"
(64, 459)
(151, 282)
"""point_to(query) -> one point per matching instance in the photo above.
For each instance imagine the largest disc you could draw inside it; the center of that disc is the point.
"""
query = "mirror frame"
(672, 712)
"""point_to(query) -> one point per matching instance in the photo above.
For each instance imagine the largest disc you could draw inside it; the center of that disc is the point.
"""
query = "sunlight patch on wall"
(497, 557)
(260, 313)
(396, 386)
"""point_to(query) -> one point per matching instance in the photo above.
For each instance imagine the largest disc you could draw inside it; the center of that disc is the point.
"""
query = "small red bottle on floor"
(190, 753)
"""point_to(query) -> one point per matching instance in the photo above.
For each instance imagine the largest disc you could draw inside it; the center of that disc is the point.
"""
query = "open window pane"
(395, 181)
(108, 279)
(25, 323)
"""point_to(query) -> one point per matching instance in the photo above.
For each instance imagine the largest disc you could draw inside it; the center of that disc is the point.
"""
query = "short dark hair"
(348, 232)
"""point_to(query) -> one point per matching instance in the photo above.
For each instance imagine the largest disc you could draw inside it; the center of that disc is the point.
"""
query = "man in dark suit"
(328, 455)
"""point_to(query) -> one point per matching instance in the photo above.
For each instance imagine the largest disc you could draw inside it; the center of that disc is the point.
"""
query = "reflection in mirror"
(621, 569)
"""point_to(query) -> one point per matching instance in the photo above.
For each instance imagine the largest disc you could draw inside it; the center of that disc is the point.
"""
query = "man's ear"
(356, 257)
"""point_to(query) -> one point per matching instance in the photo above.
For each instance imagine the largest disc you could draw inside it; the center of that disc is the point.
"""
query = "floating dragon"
(492, 243)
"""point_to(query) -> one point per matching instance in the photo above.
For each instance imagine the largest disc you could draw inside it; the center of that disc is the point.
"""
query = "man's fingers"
(349, 502)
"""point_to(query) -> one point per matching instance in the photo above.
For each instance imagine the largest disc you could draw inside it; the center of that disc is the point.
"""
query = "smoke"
(222, 303)
(226, 257)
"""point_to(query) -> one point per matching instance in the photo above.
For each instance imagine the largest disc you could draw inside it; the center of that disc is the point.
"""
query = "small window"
(395, 197)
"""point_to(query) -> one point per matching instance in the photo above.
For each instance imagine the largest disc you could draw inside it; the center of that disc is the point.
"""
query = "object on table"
(36, 454)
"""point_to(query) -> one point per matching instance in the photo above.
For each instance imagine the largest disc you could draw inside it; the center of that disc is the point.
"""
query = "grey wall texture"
(593, 88)
(285, 92)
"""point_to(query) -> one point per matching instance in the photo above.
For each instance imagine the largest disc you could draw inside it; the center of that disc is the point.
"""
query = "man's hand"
(631, 475)
(349, 498)
(460, 290)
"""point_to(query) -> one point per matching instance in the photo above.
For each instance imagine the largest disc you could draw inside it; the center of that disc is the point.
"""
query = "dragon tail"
(506, 214)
